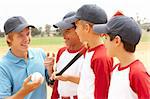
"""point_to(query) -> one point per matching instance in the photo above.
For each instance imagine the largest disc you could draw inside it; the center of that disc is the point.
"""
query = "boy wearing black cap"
(95, 74)
(129, 78)
(66, 87)
(17, 66)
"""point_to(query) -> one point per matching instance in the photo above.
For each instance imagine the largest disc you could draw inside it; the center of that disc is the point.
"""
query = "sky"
(41, 12)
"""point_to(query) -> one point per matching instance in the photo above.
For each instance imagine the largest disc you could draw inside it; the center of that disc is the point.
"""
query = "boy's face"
(20, 41)
(81, 31)
(110, 45)
(70, 37)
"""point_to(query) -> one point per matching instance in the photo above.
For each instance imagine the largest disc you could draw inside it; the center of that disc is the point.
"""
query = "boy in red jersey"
(95, 74)
(65, 86)
(129, 78)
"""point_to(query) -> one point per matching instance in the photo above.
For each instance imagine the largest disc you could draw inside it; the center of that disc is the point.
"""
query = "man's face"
(70, 37)
(20, 41)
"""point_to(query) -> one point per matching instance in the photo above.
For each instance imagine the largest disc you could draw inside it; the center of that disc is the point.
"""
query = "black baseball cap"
(65, 25)
(16, 24)
(126, 27)
(91, 13)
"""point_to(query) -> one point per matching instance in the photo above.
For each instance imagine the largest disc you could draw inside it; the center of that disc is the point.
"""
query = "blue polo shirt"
(14, 70)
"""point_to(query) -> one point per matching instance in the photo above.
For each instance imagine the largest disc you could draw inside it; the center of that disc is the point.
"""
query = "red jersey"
(130, 82)
(95, 74)
(66, 88)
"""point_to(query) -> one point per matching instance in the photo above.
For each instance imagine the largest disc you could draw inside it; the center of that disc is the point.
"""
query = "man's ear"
(8, 38)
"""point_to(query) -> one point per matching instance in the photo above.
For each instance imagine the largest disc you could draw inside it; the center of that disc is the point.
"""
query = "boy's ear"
(117, 40)
(87, 28)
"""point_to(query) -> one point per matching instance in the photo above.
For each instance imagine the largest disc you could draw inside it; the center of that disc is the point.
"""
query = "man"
(129, 78)
(20, 62)
(68, 82)
(95, 74)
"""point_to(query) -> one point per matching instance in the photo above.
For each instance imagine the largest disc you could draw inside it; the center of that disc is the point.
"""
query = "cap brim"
(100, 28)
(71, 19)
(21, 27)
(63, 25)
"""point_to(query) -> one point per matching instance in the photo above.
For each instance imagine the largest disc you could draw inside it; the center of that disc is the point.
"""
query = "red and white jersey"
(64, 57)
(130, 82)
(95, 74)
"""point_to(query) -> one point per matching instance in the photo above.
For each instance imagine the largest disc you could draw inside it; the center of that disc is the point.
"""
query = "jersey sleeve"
(140, 84)
(55, 94)
(102, 69)
(5, 84)
(59, 53)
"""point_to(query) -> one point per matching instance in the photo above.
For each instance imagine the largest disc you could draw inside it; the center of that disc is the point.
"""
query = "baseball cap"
(126, 27)
(91, 13)
(65, 25)
(16, 24)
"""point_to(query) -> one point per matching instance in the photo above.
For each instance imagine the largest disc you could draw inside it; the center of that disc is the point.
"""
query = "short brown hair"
(127, 46)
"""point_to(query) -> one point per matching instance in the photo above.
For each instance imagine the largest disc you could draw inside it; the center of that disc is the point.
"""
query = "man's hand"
(27, 87)
(49, 63)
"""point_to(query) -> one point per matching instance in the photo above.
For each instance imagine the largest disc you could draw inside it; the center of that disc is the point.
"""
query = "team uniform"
(14, 70)
(130, 82)
(95, 75)
(65, 88)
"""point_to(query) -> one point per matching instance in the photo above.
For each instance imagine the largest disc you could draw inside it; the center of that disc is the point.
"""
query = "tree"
(40, 30)
(138, 19)
(35, 32)
(47, 29)
(2, 34)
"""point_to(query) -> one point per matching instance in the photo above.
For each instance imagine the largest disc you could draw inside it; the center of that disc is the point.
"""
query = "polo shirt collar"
(16, 59)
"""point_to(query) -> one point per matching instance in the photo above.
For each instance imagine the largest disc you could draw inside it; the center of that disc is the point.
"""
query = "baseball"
(37, 76)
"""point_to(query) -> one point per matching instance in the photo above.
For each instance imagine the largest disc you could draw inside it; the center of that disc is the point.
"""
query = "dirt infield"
(143, 53)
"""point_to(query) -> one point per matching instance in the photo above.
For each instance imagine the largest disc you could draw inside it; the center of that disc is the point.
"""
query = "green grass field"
(145, 37)
(38, 41)
(47, 41)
